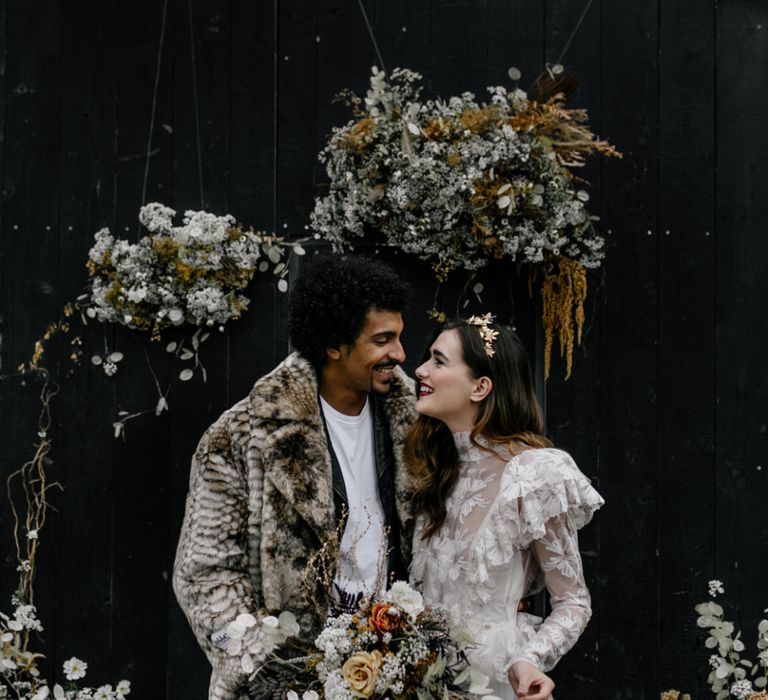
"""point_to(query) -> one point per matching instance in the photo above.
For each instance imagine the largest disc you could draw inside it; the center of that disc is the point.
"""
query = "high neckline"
(469, 451)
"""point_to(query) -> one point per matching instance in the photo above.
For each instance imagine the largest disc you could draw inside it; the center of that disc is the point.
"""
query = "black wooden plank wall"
(667, 408)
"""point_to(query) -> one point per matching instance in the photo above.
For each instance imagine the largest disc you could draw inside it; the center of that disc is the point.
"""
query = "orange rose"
(361, 671)
(385, 618)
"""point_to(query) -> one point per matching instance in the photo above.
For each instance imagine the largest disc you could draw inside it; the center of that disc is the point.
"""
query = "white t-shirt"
(363, 548)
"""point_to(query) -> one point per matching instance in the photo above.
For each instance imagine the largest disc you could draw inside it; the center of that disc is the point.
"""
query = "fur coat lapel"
(295, 455)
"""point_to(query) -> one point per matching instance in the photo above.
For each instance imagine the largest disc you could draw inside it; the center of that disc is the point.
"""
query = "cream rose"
(361, 671)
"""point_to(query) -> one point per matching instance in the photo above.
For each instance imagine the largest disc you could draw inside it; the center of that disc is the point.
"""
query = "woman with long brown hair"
(498, 506)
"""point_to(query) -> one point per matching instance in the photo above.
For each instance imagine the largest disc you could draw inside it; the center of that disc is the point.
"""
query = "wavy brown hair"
(509, 414)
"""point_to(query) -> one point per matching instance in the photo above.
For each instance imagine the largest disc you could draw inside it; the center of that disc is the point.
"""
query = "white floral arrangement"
(189, 274)
(20, 677)
(730, 675)
(729, 671)
(390, 647)
(459, 182)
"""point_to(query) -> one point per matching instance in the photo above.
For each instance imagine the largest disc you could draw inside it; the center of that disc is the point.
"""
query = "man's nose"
(398, 354)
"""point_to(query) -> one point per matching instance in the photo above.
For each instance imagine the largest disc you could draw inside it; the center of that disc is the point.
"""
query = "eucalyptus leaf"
(274, 254)
(187, 355)
(171, 346)
(186, 374)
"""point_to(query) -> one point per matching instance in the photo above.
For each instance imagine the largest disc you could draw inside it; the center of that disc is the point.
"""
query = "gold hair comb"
(487, 333)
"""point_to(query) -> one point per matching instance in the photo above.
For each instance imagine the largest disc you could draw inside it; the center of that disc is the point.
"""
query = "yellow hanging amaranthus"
(563, 292)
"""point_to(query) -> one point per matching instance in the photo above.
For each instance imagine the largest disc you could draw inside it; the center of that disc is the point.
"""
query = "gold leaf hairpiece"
(487, 333)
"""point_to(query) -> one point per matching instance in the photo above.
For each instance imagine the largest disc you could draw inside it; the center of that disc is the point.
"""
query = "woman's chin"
(422, 407)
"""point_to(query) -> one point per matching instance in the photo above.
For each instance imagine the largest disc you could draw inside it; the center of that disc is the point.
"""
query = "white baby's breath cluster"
(728, 677)
(715, 588)
(20, 676)
(456, 182)
(193, 273)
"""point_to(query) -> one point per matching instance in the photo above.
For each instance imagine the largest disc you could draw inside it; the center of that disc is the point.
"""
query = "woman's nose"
(421, 372)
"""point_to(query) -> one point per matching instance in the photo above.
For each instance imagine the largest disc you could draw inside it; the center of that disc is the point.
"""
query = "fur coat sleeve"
(212, 578)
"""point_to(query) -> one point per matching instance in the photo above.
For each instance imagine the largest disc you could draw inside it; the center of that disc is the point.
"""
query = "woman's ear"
(481, 390)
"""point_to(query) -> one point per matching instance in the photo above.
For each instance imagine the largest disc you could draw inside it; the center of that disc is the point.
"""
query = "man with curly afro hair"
(299, 499)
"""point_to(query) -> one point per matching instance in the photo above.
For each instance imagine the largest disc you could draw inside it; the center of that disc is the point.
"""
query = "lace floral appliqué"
(511, 526)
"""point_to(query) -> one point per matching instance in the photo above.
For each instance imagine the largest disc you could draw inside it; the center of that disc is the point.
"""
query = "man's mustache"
(384, 365)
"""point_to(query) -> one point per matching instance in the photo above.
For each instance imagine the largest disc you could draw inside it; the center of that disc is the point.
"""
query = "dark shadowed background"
(668, 405)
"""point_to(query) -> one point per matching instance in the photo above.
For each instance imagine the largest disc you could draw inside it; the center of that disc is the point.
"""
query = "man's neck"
(343, 399)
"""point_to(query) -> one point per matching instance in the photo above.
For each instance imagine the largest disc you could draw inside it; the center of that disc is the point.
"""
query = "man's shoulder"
(288, 392)
(283, 395)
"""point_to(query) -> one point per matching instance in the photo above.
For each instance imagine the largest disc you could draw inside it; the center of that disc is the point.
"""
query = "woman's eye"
(438, 361)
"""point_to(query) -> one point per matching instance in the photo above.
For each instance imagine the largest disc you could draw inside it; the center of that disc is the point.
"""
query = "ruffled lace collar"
(468, 451)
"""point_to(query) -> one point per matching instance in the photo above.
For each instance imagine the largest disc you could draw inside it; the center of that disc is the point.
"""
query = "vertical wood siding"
(668, 405)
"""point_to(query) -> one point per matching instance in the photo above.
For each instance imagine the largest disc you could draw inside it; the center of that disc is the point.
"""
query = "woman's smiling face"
(447, 389)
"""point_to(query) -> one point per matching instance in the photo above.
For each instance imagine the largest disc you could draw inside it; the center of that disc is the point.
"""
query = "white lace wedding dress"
(510, 528)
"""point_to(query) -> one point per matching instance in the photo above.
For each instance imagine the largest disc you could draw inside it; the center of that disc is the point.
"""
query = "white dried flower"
(715, 587)
(74, 669)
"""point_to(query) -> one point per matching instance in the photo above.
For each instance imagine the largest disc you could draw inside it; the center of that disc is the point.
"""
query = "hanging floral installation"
(189, 276)
(460, 182)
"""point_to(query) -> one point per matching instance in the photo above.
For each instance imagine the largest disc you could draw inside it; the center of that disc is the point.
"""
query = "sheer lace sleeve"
(557, 554)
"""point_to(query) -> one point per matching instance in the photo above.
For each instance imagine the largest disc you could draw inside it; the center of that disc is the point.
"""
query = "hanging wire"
(197, 109)
(373, 38)
(154, 104)
(573, 33)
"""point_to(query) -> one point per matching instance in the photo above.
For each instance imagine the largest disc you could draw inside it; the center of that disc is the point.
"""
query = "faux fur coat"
(260, 505)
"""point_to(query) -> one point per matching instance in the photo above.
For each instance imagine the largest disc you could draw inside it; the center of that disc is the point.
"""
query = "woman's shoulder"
(543, 483)
(547, 462)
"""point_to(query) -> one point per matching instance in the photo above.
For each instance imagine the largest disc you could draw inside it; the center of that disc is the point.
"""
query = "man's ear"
(481, 389)
(333, 353)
